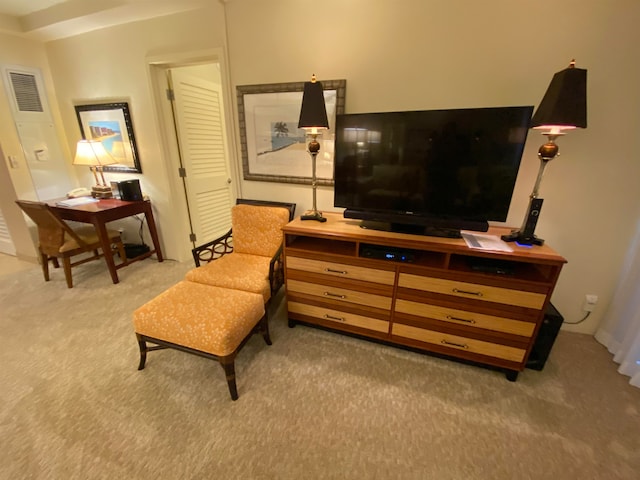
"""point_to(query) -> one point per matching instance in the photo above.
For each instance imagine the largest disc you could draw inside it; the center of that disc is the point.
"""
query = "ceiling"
(47, 20)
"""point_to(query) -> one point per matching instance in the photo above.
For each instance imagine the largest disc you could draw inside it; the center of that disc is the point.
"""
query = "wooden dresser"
(426, 293)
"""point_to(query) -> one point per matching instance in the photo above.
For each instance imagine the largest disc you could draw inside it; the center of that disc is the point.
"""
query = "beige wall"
(15, 182)
(113, 65)
(404, 55)
(417, 54)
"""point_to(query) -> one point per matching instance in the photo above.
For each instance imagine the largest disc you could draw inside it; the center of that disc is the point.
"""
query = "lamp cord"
(579, 321)
(141, 220)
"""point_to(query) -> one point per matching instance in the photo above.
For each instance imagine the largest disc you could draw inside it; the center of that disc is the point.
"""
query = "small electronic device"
(79, 192)
(387, 253)
(130, 190)
(490, 265)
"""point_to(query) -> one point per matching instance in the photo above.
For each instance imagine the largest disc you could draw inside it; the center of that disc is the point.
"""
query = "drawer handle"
(331, 317)
(466, 292)
(459, 345)
(335, 295)
(331, 270)
(466, 320)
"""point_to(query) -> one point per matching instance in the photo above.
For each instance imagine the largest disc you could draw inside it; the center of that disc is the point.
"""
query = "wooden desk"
(107, 210)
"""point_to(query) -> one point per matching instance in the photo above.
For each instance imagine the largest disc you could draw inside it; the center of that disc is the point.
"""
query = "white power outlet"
(590, 303)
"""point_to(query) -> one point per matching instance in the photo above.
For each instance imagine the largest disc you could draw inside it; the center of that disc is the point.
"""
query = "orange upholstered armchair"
(248, 257)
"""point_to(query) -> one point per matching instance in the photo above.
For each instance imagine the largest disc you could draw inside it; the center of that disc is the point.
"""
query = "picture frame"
(273, 148)
(111, 124)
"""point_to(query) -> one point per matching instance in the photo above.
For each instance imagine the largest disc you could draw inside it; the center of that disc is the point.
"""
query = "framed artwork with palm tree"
(273, 147)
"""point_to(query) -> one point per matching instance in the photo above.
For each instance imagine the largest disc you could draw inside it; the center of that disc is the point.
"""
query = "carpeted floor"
(315, 405)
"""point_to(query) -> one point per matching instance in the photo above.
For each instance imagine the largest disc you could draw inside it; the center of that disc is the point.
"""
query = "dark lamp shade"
(565, 103)
(313, 113)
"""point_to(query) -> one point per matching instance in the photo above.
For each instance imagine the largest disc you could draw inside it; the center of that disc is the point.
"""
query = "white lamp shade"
(92, 153)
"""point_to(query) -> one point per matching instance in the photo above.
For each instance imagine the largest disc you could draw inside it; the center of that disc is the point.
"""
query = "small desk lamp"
(313, 118)
(563, 107)
(93, 153)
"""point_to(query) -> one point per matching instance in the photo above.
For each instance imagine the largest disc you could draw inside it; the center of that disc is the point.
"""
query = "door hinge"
(170, 95)
(182, 172)
(192, 237)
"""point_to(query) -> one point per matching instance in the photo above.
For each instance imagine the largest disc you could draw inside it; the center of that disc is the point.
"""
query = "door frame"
(157, 69)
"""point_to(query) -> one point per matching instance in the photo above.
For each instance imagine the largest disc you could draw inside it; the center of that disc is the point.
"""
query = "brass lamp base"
(313, 215)
(101, 191)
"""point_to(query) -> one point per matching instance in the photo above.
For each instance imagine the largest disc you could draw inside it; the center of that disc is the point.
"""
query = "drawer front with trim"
(341, 270)
(339, 294)
(339, 317)
(473, 291)
(466, 318)
(458, 343)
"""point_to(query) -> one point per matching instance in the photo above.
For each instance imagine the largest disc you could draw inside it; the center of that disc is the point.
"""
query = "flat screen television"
(432, 172)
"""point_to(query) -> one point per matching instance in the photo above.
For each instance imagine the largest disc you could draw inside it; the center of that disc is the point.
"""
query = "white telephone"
(79, 192)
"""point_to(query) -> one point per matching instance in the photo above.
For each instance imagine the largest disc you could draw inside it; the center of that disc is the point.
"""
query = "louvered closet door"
(200, 128)
(6, 244)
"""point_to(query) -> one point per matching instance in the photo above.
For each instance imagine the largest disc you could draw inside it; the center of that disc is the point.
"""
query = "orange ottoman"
(204, 320)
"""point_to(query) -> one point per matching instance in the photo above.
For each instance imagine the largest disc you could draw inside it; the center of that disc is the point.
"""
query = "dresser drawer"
(473, 291)
(458, 343)
(466, 318)
(343, 318)
(341, 270)
(339, 294)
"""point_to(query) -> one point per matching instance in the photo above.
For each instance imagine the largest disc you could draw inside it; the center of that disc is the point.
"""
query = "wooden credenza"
(432, 294)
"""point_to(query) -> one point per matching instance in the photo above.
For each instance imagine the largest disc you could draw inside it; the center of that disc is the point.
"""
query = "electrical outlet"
(590, 303)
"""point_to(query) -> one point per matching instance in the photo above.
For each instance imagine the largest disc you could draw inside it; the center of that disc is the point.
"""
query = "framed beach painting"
(111, 124)
(273, 147)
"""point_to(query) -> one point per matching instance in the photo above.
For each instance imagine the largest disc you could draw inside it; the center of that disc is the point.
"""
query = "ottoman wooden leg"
(143, 351)
(228, 365)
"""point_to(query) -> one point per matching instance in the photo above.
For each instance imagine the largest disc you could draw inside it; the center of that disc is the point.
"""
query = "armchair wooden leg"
(121, 252)
(230, 372)
(264, 329)
(44, 260)
(66, 263)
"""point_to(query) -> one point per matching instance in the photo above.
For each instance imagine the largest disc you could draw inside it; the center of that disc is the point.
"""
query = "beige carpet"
(315, 405)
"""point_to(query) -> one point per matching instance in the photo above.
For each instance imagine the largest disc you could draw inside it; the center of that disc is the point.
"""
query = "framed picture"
(273, 148)
(111, 124)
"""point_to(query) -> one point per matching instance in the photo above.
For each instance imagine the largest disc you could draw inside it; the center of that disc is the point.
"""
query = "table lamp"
(563, 107)
(313, 119)
(93, 154)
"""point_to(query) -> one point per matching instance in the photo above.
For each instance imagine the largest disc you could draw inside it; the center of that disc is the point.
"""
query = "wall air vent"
(26, 92)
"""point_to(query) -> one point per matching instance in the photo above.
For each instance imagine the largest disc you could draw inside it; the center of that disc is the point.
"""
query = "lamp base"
(313, 215)
(101, 191)
(520, 237)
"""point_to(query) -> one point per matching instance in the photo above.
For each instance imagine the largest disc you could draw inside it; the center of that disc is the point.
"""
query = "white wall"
(418, 54)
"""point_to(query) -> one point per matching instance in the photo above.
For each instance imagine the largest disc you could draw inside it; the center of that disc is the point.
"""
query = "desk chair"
(57, 240)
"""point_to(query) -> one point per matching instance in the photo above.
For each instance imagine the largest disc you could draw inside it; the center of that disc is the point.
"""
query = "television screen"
(435, 166)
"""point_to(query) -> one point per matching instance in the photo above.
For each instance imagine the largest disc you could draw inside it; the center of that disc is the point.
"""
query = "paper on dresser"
(485, 242)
